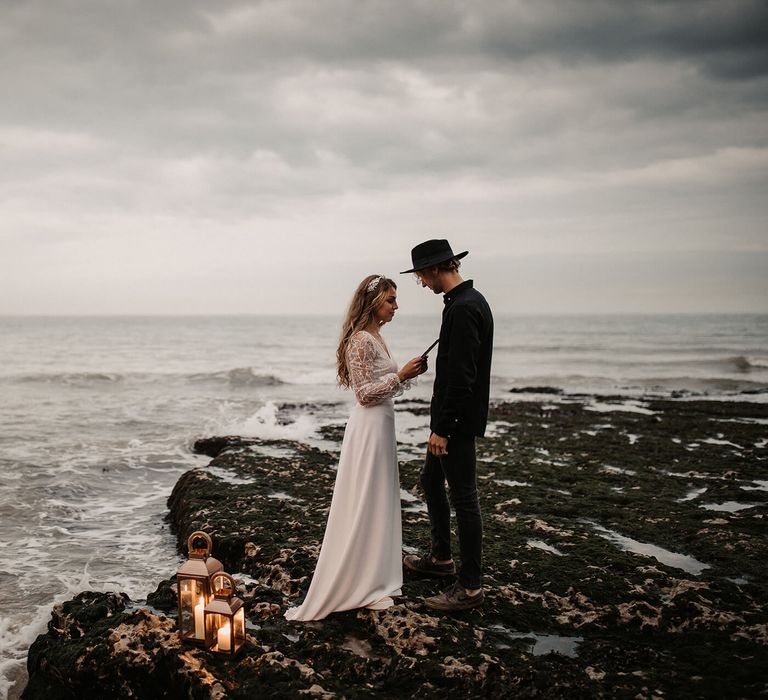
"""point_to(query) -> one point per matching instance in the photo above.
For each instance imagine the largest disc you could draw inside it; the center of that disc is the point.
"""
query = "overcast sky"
(181, 156)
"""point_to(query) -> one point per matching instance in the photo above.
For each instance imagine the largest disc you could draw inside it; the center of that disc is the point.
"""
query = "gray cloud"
(726, 39)
(165, 136)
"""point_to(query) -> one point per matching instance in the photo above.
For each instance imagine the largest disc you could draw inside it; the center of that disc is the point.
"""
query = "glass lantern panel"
(239, 627)
(218, 632)
(211, 629)
(191, 604)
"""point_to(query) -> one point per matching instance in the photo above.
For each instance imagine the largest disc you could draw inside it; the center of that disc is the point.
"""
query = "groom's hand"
(437, 445)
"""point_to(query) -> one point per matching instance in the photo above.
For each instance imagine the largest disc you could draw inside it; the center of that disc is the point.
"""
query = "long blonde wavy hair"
(359, 315)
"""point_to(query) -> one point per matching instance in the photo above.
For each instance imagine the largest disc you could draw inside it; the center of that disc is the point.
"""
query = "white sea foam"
(18, 631)
(265, 424)
(93, 522)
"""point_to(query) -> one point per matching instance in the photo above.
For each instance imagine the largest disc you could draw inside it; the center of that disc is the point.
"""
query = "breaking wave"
(239, 376)
(73, 378)
(741, 364)
(746, 363)
(267, 424)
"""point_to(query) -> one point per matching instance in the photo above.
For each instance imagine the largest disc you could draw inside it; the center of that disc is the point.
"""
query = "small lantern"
(224, 617)
(193, 583)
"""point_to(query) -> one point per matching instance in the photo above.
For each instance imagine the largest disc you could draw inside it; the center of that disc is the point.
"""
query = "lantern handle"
(200, 535)
(224, 575)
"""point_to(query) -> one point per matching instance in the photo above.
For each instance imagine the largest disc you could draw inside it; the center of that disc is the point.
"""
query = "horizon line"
(291, 314)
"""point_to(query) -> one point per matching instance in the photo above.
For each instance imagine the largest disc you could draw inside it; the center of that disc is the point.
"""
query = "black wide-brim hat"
(432, 252)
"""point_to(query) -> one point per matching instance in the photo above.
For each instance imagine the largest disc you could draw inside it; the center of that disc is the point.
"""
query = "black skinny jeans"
(459, 469)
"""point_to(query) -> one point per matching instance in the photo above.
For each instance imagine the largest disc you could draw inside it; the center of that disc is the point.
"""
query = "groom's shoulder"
(472, 297)
(477, 307)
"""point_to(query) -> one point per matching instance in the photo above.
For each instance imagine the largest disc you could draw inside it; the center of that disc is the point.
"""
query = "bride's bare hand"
(412, 368)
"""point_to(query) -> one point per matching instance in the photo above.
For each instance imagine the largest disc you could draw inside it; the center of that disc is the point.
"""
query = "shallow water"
(692, 494)
(664, 556)
(412, 503)
(511, 482)
(540, 644)
(539, 544)
(728, 506)
(759, 485)
(625, 406)
(280, 496)
(617, 470)
(228, 476)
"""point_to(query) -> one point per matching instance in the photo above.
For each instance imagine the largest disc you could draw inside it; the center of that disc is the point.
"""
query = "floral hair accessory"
(374, 283)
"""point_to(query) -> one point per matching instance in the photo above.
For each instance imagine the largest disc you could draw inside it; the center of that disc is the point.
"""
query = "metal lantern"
(224, 617)
(193, 582)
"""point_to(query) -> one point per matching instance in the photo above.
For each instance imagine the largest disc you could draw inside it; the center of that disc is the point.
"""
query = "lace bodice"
(372, 373)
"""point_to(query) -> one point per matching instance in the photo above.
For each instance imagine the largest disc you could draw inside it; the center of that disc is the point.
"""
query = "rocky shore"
(625, 557)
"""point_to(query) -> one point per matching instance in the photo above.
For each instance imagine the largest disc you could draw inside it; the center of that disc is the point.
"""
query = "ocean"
(98, 415)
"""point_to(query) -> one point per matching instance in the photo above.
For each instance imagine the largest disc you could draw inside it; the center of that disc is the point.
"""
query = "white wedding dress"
(360, 561)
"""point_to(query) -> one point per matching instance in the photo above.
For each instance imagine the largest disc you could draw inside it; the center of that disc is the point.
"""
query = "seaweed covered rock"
(624, 557)
(96, 648)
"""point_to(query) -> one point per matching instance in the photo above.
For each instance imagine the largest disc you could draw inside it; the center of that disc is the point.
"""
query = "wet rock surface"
(625, 550)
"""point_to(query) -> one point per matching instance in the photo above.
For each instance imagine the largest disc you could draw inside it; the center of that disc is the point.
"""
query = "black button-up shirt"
(463, 364)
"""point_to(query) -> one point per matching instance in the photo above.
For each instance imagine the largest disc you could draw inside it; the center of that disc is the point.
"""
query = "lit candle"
(224, 638)
(199, 624)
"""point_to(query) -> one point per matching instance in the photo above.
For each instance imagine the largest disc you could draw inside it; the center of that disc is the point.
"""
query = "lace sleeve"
(369, 391)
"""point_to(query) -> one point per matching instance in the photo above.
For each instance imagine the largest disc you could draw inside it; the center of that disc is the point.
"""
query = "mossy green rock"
(625, 550)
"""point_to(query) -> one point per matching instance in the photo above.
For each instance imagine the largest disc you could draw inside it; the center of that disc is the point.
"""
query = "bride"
(360, 562)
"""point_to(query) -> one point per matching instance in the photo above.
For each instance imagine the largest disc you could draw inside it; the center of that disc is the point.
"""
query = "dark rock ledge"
(620, 624)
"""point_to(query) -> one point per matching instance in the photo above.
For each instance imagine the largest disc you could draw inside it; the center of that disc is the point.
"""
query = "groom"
(458, 414)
